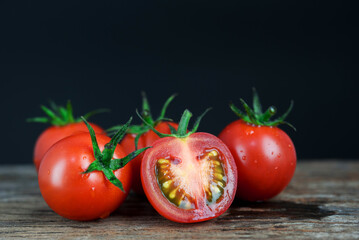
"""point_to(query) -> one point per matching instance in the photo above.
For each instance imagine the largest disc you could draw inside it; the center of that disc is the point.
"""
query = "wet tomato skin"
(78, 196)
(265, 158)
(146, 140)
(55, 133)
(195, 145)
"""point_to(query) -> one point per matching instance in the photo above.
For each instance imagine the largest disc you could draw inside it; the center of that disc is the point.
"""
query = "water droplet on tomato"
(93, 188)
(84, 157)
(251, 132)
(289, 145)
(272, 153)
(255, 161)
(276, 168)
(278, 155)
(244, 158)
(48, 172)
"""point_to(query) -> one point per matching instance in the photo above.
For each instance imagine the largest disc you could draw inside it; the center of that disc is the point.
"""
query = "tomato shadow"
(135, 206)
(275, 210)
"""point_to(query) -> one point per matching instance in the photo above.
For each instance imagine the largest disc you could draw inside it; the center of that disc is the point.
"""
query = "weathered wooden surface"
(322, 201)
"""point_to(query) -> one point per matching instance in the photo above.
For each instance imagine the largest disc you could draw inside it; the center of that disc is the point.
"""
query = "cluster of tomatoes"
(187, 176)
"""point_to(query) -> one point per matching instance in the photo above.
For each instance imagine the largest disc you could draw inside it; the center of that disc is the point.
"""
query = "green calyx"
(148, 121)
(257, 117)
(61, 116)
(103, 160)
(182, 131)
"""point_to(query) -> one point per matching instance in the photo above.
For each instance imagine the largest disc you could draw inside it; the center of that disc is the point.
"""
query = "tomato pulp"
(189, 179)
(265, 158)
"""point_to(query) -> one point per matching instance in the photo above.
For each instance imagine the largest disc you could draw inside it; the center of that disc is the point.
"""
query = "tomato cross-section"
(189, 179)
(174, 178)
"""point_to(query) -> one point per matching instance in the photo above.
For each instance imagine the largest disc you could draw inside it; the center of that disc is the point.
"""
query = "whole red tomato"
(143, 136)
(187, 176)
(264, 154)
(85, 177)
(64, 125)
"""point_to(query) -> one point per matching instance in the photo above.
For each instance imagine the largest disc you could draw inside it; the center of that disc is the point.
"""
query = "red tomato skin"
(265, 158)
(55, 133)
(146, 140)
(170, 146)
(78, 196)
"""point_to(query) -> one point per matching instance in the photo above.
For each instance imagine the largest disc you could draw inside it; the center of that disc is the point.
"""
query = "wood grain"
(321, 202)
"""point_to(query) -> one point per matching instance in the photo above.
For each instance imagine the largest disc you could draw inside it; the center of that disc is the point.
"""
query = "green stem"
(95, 147)
(198, 121)
(182, 131)
(103, 160)
(268, 114)
(256, 116)
(165, 106)
(183, 124)
(146, 111)
(60, 116)
(69, 112)
(257, 107)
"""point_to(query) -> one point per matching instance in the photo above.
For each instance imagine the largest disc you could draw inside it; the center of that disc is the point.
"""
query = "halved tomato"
(189, 177)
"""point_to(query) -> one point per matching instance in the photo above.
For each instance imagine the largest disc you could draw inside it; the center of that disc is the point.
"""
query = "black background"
(103, 53)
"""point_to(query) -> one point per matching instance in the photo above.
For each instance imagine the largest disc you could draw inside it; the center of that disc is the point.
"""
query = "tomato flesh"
(189, 180)
(174, 176)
